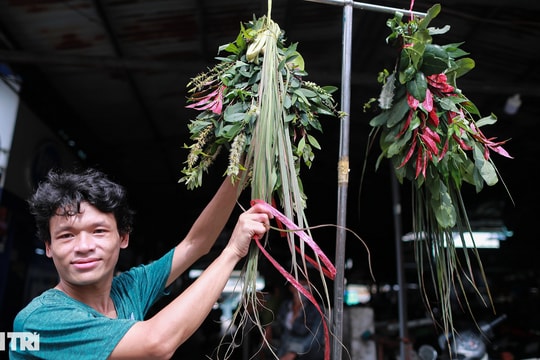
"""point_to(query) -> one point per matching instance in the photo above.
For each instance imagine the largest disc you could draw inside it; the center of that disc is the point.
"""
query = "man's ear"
(124, 241)
(48, 249)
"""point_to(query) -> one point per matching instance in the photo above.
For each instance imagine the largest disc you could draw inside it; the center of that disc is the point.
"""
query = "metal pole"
(343, 181)
(402, 298)
(366, 6)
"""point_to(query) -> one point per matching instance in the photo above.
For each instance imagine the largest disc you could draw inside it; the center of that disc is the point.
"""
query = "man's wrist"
(231, 253)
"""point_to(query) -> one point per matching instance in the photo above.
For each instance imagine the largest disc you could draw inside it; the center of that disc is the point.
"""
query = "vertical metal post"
(402, 298)
(343, 181)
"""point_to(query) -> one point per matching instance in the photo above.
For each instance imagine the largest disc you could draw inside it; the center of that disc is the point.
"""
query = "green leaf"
(398, 112)
(435, 60)
(485, 167)
(301, 95)
(418, 40)
(441, 203)
(231, 47)
(418, 87)
(407, 74)
(301, 145)
(464, 170)
(230, 131)
(488, 120)
(396, 145)
(430, 15)
(298, 61)
(329, 89)
(308, 93)
(454, 50)
(448, 103)
(313, 142)
(234, 113)
(287, 101)
(469, 106)
(392, 116)
(415, 122)
(464, 66)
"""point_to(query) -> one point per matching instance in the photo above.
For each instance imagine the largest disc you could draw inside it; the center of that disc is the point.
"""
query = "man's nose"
(85, 241)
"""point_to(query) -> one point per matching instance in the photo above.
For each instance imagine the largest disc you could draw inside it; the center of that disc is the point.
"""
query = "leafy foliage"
(228, 97)
(256, 104)
(431, 133)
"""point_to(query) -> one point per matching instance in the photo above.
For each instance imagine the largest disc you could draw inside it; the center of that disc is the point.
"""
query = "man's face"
(85, 247)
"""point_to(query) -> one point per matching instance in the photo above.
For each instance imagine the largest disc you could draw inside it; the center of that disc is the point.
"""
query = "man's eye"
(100, 231)
(65, 236)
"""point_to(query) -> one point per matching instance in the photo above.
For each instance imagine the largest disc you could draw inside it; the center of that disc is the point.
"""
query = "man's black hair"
(61, 193)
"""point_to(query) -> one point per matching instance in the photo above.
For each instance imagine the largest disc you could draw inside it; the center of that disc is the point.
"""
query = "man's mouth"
(85, 264)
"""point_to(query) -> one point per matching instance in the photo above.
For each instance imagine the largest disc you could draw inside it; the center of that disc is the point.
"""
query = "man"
(85, 221)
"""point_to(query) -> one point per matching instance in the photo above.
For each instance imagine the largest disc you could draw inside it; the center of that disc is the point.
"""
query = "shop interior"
(103, 84)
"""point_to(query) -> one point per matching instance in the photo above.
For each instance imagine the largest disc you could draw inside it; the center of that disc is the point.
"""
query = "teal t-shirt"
(69, 329)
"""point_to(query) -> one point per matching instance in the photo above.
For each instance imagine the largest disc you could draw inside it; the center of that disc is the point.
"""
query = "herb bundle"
(256, 105)
(229, 96)
(431, 132)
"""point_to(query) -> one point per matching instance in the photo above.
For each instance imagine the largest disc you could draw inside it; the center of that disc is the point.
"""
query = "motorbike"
(467, 344)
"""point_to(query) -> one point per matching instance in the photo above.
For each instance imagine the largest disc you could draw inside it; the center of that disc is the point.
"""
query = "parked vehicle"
(468, 344)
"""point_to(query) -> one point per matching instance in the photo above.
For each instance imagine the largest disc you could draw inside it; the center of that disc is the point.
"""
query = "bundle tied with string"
(431, 133)
(256, 104)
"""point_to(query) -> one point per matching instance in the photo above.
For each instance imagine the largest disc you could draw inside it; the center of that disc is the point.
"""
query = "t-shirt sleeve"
(135, 291)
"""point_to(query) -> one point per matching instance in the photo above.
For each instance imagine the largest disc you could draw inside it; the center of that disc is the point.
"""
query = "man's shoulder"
(51, 305)
(48, 297)
(68, 328)
(132, 276)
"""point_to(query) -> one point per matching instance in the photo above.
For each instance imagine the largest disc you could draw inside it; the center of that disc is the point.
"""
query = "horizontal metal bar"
(372, 7)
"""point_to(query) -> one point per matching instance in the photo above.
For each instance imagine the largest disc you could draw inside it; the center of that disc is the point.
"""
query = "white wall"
(9, 103)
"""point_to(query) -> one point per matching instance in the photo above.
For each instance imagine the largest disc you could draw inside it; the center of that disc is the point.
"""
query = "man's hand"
(251, 223)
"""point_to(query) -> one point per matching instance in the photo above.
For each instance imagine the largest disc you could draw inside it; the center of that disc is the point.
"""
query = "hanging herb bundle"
(256, 105)
(431, 132)
(229, 98)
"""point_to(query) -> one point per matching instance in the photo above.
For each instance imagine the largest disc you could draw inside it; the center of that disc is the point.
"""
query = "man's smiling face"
(85, 247)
